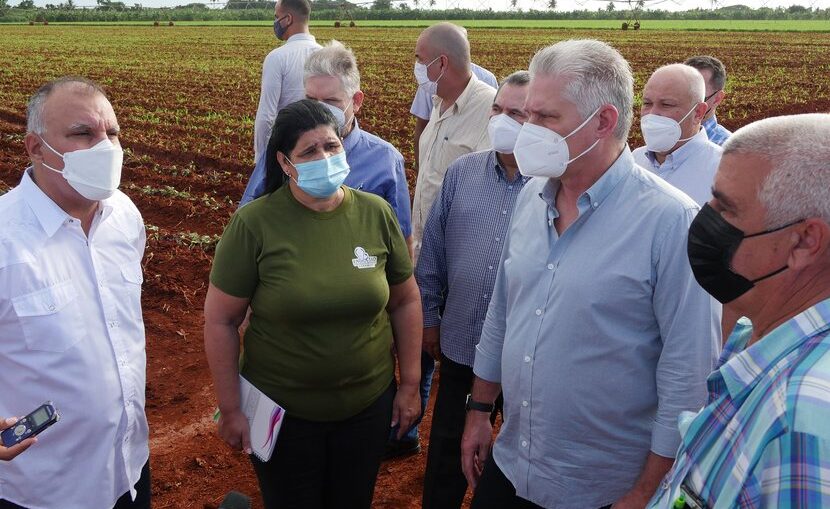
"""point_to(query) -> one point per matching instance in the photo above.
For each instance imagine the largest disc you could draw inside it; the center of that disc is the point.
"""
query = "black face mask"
(712, 244)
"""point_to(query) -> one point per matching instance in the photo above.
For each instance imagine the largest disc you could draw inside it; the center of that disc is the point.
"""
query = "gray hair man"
(762, 247)
(70, 309)
(677, 148)
(282, 70)
(714, 74)
(456, 276)
(597, 333)
(460, 111)
(331, 76)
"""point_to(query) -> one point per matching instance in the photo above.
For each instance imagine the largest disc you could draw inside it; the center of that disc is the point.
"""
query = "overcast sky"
(563, 5)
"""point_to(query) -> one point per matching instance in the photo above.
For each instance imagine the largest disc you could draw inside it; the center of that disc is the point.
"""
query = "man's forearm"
(484, 391)
(653, 472)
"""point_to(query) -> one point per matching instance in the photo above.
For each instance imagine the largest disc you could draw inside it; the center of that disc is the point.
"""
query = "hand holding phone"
(17, 436)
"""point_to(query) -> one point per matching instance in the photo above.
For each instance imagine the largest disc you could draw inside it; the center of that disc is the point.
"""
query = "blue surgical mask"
(323, 177)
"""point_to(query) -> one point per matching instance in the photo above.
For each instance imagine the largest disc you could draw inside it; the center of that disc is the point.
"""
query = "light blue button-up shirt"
(376, 167)
(599, 337)
(691, 168)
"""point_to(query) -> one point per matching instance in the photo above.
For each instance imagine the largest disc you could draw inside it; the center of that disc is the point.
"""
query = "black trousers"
(444, 482)
(142, 497)
(496, 492)
(321, 465)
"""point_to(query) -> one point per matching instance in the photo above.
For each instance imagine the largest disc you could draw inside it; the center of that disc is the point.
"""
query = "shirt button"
(524, 443)
(509, 187)
(490, 267)
(497, 239)
(596, 204)
(550, 266)
(486, 295)
(524, 403)
(503, 212)
(51, 307)
(538, 312)
(527, 358)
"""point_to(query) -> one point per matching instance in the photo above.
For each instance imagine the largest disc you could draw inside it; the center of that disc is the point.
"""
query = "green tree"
(551, 4)
(382, 4)
(26, 4)
(610, 7)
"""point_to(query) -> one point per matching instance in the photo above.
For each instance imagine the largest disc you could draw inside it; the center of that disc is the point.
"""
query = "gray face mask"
(339, 115)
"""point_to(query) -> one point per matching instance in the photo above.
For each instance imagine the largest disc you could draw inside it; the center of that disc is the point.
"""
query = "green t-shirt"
(319, 341)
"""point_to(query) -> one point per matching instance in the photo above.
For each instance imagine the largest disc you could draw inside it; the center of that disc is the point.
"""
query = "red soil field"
(186, 97)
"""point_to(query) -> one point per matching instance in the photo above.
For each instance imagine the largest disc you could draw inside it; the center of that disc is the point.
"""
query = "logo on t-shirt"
(362, 259)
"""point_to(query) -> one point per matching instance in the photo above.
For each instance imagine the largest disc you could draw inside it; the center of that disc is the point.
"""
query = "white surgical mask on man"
(503, 131)
(421, 74)
(339, 115)
(542, 152)
(662, 133)
(95, 173)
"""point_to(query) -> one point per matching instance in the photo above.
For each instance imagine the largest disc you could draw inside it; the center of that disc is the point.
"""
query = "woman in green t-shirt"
(326, 273)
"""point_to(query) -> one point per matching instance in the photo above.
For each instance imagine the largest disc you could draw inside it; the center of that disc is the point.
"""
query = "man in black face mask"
(762, 247)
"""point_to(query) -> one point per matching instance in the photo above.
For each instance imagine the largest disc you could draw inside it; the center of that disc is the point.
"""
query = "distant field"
(694, 25)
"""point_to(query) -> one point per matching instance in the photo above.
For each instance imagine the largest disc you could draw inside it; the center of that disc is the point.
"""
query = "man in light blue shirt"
(597, 333)
(332, 77)
(676, 92)
(714, 74)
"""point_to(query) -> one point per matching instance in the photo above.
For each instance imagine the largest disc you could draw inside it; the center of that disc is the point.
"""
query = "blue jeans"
(427, 369)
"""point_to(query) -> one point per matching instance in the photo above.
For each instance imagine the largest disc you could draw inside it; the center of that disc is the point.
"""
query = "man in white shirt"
(422, 103)
(282, 70)
(677, 147)
(459, 117)
(71, 246)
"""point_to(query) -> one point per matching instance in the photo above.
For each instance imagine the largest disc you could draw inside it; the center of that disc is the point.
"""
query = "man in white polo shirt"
(70, 310)
(677, 147)
(282, 70)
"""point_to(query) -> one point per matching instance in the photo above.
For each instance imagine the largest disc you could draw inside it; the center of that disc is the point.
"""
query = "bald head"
(680, 80)
(445, 39)
(69, 84)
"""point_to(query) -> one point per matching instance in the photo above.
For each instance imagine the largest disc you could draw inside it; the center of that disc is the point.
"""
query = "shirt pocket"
(51, 318)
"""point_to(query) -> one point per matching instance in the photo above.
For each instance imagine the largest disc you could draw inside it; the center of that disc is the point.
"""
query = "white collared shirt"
(71, 331)
(282, 84)
(460, 130)
(691, 168)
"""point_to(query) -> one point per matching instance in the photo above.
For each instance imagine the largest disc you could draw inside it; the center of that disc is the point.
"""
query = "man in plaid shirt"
(714, 75)
(762, 247)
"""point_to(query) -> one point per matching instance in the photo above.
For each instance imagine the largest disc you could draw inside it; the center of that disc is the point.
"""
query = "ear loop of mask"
(765, 232)
(577, 130)
(684, 118)
(56, 153)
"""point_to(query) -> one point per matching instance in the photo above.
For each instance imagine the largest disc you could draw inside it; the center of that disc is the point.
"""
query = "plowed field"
(186, 98)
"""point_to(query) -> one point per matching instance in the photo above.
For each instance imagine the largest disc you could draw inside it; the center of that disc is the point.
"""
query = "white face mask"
(503, 132)
(662, 133)
(541, 152)
(421, 74)
(339, 114)
(94, 173)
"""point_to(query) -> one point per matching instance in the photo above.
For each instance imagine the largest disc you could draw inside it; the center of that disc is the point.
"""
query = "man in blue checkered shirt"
(762, 247)
(714, 74)
(456, 272)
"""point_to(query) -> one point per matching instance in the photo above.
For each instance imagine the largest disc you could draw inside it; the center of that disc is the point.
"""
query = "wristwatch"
(475, 405)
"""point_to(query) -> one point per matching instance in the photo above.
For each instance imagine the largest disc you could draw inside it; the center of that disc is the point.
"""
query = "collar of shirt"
(48, 213)
(462, 101)
(747, 366)
(351, 140)
(597, 193)
(493, 162)
(301, 37)
(681, 155)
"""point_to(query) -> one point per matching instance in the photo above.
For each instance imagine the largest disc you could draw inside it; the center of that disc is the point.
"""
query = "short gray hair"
(692, 77)
(451, 40)
(334, 59)
(599, 75)
(798, 186)
(518, 78)
(34, 110)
